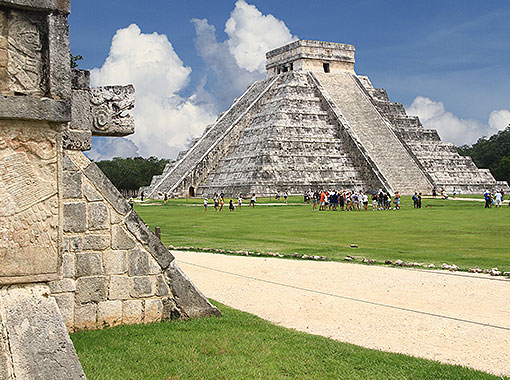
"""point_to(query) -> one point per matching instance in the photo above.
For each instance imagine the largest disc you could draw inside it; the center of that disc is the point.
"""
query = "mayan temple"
(314, 123)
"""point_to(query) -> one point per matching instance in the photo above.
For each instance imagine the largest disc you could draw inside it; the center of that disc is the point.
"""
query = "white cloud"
(164, 121)
(452, 128)
(252, 34)
(240, 59)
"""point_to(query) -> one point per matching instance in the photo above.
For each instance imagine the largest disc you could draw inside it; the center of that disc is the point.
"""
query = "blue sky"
(446, 61)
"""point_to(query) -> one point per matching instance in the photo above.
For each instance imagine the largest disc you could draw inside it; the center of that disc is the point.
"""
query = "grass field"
(443, 231)
(242, 346)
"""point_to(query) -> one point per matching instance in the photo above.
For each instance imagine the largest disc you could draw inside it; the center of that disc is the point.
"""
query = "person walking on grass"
(285, 196)
(397, 201)
(487, 196)
(222, 201)
(166, 198)
(315, 201)
(364, 198)
(205, 204)
(239, 200)
(322, 200)
(231, 205)
(216, 201)
(253, 200)
(498, 199)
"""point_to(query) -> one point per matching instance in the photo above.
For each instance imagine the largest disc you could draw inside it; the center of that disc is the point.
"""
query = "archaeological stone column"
(35, 107)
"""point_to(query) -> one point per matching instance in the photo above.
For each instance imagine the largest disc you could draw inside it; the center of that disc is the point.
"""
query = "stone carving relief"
(29, 202)
(25, 65)
(110, 106)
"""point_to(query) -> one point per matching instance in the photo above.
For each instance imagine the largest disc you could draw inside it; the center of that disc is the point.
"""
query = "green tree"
(129, 174)
(492, 154)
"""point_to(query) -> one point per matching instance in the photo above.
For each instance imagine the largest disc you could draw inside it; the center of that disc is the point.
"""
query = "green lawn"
(453, 232)
(242, 346)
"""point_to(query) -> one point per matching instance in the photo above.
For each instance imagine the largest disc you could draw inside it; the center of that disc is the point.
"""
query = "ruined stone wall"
(114, 269)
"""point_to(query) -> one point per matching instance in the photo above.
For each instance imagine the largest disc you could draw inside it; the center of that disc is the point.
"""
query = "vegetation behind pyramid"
(313, 123)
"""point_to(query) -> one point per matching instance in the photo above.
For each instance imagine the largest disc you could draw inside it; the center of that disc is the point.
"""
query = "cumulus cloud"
(453, 129)
(240, 59)
(251, 34)
(165, 121)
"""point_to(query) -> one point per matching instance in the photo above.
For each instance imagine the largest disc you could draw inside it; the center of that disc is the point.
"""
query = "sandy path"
(319, 298)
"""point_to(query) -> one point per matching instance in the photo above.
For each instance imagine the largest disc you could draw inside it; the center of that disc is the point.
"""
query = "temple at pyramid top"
(313, 123)
(309, 55)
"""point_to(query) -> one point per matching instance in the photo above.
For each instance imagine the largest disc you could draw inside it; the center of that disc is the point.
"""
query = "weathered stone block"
(68, 265)
(75, 244)
(85, 316)
(74, 220)
(109, 313)
(96, 242)
(91, 194)
(138, 263)
(121, 239)
(162, 286)
(88, 264)
(143, 286)
(65, 302)
(106, 188)
(67, 164)
(115, 262)
(157, 249)
(153, 310)
(132, 311)
(170, 310)
(98, 216)
(38, 339)
(71, 185)
(91, 289)
(62, 286)
(120, 288)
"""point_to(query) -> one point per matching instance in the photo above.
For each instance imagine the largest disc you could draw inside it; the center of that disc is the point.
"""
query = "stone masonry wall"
(114, 269)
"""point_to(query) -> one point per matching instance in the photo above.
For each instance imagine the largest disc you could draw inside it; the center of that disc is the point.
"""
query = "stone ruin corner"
(73, 254)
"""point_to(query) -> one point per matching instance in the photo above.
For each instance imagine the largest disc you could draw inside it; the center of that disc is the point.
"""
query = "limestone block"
(71, 185)
(81, 79)
(49, 5)
(115, 262)
(91, 289)
(106, 188)
(121, 239)
(74, 220)
(162, 286)
(67, 164)
(30, 108)
(62, 286)
(190, 301)
(5, 353)
(59, 69)
(68, 265)
(154, 267)
(96, 242)
(170, 310)
(38, 339)
(132, 311)
(120, 287)
(91, 194)
(89, 264)
(138, 262)
(157, 249)
(115, 217)
(153, 310)
(65, 302)
(29, 202)
(109, 313)
(85, 316)
(143, 286)
(75, 244)
(98, 216)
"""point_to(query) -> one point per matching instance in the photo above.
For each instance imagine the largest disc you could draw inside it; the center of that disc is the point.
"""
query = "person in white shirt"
(498, 199)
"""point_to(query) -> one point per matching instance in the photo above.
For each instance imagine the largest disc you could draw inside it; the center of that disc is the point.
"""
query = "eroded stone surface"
(39, 344)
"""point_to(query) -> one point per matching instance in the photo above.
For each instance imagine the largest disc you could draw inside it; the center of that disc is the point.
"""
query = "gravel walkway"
(453, 318)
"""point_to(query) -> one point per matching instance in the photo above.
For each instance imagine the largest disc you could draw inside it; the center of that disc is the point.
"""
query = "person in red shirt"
(322, 200)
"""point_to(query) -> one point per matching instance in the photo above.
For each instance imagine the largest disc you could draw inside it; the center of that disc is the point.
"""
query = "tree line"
(129, 174)
(491, 153)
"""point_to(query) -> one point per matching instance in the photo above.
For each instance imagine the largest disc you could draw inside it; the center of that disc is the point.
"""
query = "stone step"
(376, 136)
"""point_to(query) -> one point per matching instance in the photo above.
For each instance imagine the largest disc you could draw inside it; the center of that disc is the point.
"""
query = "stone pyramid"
(314, 123)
